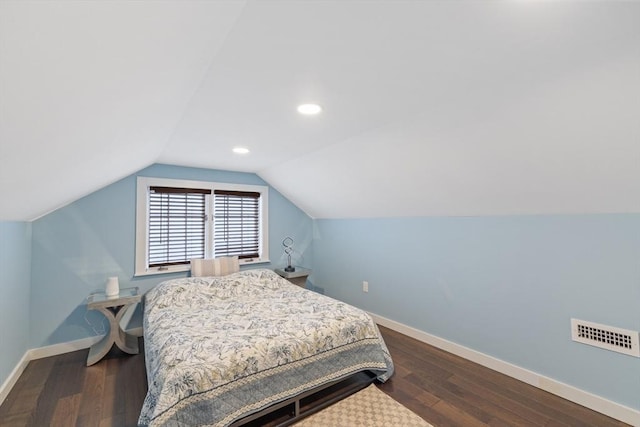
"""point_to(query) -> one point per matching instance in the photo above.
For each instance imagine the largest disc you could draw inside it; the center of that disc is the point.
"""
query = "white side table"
(298, 277)
(113, 308)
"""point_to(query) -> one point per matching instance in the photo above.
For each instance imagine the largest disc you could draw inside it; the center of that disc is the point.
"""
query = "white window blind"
(236, 224)
(177, 220)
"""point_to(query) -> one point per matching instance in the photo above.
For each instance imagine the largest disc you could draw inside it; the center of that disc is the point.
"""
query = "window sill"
(187, 267)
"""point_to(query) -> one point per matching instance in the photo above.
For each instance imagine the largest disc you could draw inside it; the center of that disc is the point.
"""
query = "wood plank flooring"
(442, 388)
(62, 391)
(447, 390)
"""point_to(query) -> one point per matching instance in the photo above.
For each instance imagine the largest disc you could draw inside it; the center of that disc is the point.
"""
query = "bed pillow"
(214, 266)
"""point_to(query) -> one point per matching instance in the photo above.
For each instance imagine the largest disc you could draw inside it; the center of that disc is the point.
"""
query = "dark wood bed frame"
(294, 409)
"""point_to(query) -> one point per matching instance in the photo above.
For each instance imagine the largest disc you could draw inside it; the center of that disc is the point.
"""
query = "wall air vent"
(607, 337)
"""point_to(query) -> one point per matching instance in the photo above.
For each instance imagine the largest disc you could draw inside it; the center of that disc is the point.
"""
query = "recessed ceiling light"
(240, 150)
(309, 109)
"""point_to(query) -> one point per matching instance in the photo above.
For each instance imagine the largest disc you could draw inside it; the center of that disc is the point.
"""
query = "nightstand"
(298, 277)
(113, 308)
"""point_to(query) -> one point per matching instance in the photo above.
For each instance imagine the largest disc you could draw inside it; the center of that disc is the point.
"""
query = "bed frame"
(294, 409)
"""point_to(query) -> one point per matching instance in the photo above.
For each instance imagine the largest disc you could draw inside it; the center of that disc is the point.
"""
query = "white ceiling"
(430, 107)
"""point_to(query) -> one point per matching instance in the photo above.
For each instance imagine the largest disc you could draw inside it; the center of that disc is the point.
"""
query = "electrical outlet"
(365, 286)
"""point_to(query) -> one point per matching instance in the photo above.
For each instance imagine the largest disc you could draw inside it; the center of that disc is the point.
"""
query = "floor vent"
(607, 337)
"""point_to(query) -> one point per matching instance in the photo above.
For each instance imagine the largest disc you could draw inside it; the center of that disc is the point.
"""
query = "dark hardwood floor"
(447, 390)
(444, 389)
(62, 391)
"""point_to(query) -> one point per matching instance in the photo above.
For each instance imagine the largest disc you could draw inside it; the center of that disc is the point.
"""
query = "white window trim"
(142, 214)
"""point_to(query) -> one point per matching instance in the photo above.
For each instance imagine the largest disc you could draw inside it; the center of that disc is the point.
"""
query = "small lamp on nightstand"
(288, 248)
(112, 289)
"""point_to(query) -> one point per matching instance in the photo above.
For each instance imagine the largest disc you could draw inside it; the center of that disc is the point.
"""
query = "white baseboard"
(62, 348)
(137, 332)
(39, 353)
(51, 350)
(576, 395)
(8, 384)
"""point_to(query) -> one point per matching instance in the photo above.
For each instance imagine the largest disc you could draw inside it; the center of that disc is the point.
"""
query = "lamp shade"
(113, 287)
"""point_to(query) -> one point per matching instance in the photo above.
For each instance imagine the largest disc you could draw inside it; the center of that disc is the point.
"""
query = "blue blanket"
(220, 348)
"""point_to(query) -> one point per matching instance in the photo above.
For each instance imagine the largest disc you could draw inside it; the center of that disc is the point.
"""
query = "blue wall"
(15, 279)
(77, 247)
(504, 286)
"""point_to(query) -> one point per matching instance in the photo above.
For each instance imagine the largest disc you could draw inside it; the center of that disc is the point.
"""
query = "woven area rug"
(367, 408)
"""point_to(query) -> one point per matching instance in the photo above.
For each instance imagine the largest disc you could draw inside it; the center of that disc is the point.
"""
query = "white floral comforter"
(220, 348)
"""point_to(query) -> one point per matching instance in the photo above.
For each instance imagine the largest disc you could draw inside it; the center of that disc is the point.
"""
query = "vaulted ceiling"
(429, 107)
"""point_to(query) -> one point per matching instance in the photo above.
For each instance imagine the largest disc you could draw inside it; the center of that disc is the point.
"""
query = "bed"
(219, 349)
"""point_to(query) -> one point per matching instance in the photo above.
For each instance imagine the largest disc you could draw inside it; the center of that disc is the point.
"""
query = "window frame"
(143, 185)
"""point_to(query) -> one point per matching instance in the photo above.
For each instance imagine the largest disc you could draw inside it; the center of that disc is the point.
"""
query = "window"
(177, 220)
(236, 224)
(176, 225)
